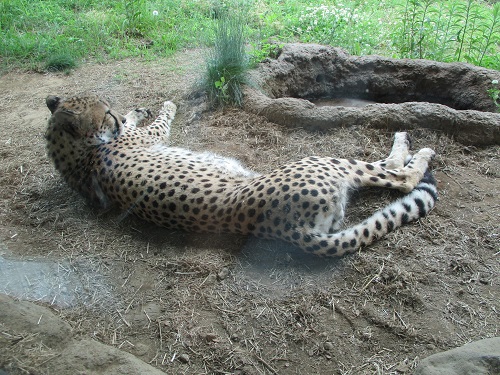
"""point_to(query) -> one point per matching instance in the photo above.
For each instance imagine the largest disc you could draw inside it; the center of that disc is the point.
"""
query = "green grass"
(33, 32)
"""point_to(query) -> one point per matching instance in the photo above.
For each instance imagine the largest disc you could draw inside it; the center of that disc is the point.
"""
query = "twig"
(132, 299)
(161, 337)
(123, 319)
(266, 365)
(374, 277)
(401, 319)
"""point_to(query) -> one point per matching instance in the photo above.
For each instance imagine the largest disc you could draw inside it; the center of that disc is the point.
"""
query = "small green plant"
(221, 88)
(494, 94)
(227, 62)
(264, 50)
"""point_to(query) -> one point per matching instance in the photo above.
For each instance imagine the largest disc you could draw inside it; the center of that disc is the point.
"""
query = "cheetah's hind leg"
(400, 153)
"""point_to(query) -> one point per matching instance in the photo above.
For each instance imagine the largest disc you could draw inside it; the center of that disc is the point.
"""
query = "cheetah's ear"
(52, 102)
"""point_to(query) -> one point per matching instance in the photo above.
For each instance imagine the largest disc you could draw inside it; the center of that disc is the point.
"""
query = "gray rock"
(93, 358)
(476, 358)
(68, 356)
(22, 317)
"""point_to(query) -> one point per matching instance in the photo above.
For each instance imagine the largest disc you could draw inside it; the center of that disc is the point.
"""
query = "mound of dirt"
(406, 94)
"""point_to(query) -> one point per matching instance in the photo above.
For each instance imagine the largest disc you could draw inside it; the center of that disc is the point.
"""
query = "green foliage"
(328, 24)
(30, 31)
(359, 27)
(454, 30)
(227, 62)
(449, 30)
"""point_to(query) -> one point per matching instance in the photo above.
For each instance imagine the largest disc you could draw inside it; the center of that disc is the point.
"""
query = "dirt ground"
(198, 304)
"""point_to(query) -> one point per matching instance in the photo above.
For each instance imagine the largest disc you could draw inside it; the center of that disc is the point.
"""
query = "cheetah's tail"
(418, 203)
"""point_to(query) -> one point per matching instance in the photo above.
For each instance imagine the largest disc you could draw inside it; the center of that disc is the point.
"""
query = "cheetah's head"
(88, 119)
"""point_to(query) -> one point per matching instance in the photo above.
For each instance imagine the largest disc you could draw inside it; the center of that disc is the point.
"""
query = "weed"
(490, 31)
(136, 21)
(263, 50)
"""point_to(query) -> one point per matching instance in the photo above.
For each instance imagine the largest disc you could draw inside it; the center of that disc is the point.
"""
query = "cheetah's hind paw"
(169, 108)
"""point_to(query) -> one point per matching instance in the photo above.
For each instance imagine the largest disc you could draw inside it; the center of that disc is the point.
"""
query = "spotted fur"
(104, 156)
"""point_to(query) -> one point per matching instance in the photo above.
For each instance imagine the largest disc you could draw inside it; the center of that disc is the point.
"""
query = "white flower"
(494, 82)
(155, 13)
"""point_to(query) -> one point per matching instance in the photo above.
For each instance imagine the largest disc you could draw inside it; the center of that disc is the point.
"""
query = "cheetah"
(111, 161)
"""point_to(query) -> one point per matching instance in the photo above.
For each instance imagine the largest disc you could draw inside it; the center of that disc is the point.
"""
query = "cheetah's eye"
(117, 126)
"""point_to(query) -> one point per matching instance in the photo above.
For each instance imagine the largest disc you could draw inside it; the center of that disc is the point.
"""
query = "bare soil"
(194, 304)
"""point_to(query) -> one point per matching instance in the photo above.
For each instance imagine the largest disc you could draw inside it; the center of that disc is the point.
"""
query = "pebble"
(328, 345)
(224, 273)
(184, 358)
(210, 337)
(235, 337)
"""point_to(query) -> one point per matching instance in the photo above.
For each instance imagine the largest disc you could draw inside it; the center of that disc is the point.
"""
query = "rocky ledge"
(398, 94)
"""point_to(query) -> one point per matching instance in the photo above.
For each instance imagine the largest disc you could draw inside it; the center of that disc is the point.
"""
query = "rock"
(92, 357)
(184, 358)
(328, 345)
(65, 355)
(476, 358)
(235, 337)
(21, 317)
(448, 97)
(223, 274)
(210, 337)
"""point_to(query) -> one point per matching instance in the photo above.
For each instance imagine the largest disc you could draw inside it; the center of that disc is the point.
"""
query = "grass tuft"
(227, 62)
(61, 61)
